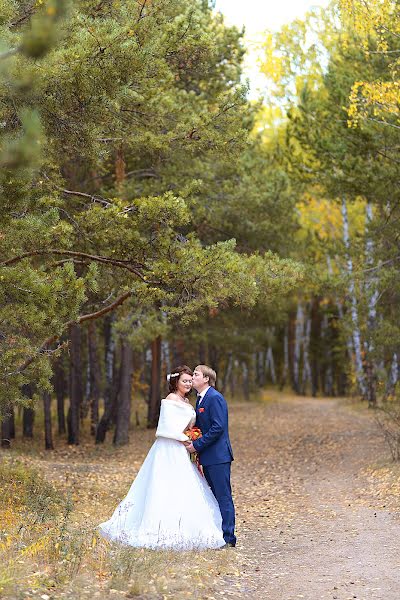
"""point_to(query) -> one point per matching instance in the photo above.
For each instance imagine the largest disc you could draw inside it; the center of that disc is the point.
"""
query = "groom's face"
(200, 381)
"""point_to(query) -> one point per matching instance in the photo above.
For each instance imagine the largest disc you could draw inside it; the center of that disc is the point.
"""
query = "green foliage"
(125, 138)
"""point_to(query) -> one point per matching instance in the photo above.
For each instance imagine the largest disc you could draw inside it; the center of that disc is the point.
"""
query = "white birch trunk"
(306, 375)
(371, 285)
(353, 303)
(349, 342)
(372, 294)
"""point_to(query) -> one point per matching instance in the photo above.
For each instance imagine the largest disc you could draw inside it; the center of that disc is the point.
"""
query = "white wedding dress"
(169, 505)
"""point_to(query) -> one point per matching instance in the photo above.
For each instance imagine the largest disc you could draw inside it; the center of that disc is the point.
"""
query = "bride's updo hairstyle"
(173, 377)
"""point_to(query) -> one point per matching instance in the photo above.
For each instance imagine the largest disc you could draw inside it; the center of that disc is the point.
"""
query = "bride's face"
(184, 384)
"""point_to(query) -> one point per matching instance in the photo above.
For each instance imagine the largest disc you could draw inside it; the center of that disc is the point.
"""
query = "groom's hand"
(189, 447)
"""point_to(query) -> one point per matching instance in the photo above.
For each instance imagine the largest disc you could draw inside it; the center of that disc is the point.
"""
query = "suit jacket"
(214, 447)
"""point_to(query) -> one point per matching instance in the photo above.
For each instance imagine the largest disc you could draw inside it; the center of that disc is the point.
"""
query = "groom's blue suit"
(215, 451)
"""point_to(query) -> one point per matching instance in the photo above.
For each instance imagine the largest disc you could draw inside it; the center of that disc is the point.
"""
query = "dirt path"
(311, 523)
(318, 511)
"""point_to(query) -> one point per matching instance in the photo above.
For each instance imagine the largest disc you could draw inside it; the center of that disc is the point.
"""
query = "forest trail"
(317, 501)
(318, 512)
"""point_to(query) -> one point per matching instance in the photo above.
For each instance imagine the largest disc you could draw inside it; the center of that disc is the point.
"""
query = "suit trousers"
(219, 480)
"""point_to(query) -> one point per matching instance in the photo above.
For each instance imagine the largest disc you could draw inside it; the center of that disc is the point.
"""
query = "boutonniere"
(201, 409)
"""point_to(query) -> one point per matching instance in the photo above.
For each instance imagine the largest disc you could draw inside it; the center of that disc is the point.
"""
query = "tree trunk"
(213, 356)
(155, 389)
(123, 417)
(5, 432)
(315, 345)
(353, 304)
(393, 376)
(48, 436)
(327, 371)
(306, 375)
(298, 340)
(166, 361)
(28, 415)
(260, 368)
(59, 385)
(94, 377)
(233, 378)
(372, 293)
(108, 417)
(12, 423)
(339, 305)
(28, 418)
(109, 357)
(75, 384)
(270, 364)
(285, 370)
(227, 373)
(246, 381)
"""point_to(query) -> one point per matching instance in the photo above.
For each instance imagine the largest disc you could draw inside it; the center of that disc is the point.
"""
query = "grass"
(50, 505)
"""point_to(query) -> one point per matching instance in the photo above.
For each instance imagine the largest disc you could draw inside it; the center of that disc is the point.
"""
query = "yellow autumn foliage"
(377, 20)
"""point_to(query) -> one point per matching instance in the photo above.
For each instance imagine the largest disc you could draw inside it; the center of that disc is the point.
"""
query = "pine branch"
(124, 264)
(50, 340)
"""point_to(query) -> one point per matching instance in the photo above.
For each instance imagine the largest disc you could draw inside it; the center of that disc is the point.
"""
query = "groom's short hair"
(208, 372)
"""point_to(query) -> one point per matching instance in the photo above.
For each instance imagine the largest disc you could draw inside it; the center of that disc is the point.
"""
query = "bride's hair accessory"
(170, 375)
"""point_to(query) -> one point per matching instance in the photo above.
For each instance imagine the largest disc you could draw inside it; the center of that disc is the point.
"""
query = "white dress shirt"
(203, 393)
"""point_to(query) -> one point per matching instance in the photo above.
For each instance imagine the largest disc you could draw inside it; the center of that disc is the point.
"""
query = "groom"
(214, 447)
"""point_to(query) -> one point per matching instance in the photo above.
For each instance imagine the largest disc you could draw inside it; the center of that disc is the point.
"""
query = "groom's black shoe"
(227, 545)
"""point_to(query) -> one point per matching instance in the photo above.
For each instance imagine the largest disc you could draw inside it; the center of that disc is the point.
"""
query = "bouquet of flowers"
(194, 434)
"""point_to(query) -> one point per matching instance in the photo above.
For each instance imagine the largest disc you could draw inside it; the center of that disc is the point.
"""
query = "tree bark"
(109, 348)
(94, 377)
(112, 384)
(166, 361)
(5, 432)
(393, 376)
(28, 415)
(59, 385)
(123, 417)
(327, 371)
(372, 293)
(259, 360)
(298, 341)
(12, 423)
(213, 356)
(353, 304)
(315, 345)
(48, 435)
(306, 375)
(28, 418)
(155, 387)
(227, 373)
(75, 384)
(270, 364)
(285, 370)
(246, 381)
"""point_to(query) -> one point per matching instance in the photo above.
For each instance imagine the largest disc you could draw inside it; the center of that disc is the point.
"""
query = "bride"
(169, 505)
